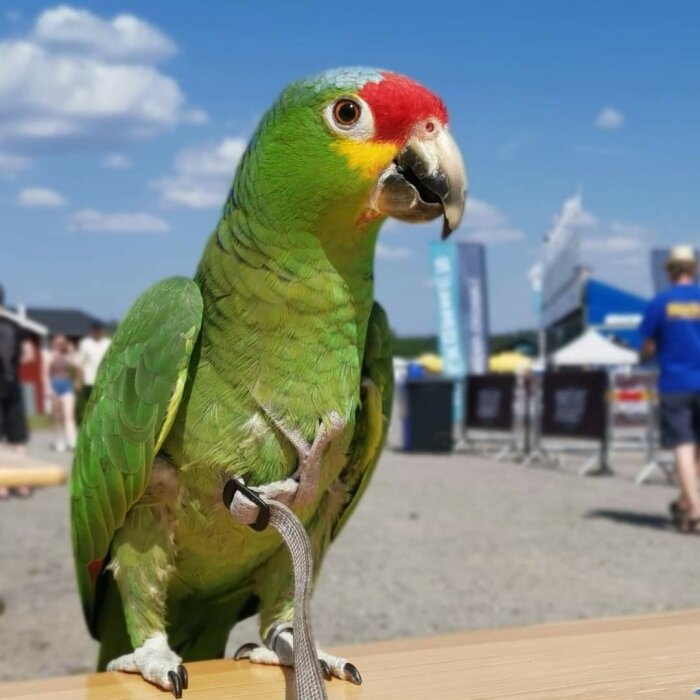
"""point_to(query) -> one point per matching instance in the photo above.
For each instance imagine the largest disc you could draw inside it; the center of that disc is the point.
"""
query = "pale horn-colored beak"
(425, 180)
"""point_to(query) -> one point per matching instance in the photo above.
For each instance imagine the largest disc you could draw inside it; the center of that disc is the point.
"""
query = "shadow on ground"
(626, 517)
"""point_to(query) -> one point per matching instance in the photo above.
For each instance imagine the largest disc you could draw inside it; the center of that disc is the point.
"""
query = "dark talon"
(176, 684)
(244, 651)
(184, 676)
(325, 669)
(351, 670)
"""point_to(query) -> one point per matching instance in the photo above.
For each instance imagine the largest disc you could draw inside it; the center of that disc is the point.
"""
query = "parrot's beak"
(425, 180)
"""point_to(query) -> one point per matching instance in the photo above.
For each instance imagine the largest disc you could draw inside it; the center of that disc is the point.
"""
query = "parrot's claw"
(179, 680)
(340, 668)
(157, 663)
(244, 651)
(282, 654)
(184, 676)
(325, 669)
(351, 673)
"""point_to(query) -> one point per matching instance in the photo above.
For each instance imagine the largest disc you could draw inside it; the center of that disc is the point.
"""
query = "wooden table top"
(24, 470)
(643, 657)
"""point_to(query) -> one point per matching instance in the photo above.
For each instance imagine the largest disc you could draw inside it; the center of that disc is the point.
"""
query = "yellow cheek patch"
(367, 157)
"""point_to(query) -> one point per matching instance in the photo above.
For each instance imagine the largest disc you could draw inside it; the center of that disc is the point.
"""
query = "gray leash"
(262, 507)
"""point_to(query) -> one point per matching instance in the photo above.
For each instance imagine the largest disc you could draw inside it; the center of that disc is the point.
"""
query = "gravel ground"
(439, 544)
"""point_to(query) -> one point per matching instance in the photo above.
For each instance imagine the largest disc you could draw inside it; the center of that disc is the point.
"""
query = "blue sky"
(118, 135)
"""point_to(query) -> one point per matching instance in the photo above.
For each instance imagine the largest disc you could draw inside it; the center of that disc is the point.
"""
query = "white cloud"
(123, 38)
(481, 214)
(622, 229)
(11, 163)
(598, 150)
(92, 221)
(617, 237)
(512, 147)
(609, 118)
(485, 223)
(606, 244)
(116, 161)
(393, 252)
(201, 175)
(40, 197)
(196, 116)
(77, 77)
(499, 235)
(613, 244)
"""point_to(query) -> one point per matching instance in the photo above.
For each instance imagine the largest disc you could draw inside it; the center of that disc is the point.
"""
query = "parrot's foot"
(157, 663)
(279, 651)
(310, 455)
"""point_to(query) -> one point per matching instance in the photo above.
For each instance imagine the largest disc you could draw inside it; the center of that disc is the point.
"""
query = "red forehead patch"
(397, 103)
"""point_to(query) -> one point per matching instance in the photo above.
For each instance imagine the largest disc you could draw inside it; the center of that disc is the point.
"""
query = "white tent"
(592, 348)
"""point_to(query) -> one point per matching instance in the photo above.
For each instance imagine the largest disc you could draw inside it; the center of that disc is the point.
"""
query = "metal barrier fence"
(495, 413)
(537, 417)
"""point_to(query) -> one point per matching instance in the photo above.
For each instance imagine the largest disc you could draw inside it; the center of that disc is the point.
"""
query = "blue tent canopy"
(614, 312)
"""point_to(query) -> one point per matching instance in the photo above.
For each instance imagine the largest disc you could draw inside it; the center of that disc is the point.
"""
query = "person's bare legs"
(57, 412)
(68, 415)
(686, 468)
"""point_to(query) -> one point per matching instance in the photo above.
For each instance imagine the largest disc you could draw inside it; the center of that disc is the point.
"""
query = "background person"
(91, 350)
(15, 350)
(671, 331)
(60, 368)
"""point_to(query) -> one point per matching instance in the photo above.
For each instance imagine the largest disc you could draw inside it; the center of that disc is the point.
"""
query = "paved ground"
(439, 544)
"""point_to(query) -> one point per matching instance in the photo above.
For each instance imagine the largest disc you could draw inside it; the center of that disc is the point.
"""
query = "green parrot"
(237, 373)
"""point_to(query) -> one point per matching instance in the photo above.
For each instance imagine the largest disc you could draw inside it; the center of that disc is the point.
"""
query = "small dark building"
(72, 323)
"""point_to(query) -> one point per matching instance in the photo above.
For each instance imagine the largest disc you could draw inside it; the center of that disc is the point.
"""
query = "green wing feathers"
(375, 412)
(132, 406)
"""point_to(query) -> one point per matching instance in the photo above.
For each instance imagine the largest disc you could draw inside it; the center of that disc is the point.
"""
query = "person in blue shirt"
(671, 331)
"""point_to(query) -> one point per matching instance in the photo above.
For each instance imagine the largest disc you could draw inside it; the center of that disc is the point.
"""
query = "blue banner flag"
(451, 329)
(459, 275)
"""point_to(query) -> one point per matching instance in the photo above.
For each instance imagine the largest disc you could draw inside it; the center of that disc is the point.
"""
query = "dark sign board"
(574, 404)
(490, 401)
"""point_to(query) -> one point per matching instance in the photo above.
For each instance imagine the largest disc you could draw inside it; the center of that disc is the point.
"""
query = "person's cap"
(681, 254)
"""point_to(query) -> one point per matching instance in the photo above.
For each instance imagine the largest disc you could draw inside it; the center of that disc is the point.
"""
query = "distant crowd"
(68, 376)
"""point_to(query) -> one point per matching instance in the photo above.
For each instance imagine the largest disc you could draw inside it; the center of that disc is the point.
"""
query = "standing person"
(91, 350)
(671, 331)
(15, 350)
(60, 367)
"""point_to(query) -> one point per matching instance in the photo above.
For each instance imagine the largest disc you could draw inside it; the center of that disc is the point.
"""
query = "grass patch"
(39, 422)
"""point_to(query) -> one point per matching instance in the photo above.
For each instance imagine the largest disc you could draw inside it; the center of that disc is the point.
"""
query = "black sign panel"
(574, 404)
(490, 401)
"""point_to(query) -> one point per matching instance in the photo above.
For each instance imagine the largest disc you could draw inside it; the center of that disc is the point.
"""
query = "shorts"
(680, 418)
(62, 386)
(13, 424)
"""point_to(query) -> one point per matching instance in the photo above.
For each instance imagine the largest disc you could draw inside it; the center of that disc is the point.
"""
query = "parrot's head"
(340, 152)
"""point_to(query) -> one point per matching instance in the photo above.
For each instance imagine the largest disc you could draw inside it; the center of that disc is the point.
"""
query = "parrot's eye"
(350, 117)
(346, 112)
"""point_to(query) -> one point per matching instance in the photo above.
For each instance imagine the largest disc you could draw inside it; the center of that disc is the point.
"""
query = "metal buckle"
(234, 485)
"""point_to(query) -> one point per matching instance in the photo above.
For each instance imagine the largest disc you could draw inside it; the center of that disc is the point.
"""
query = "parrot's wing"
(375, 411)
(131, 409)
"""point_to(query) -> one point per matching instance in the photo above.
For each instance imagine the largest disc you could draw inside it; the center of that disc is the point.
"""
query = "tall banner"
(474, 304)
(452, 330)
(459, 274)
